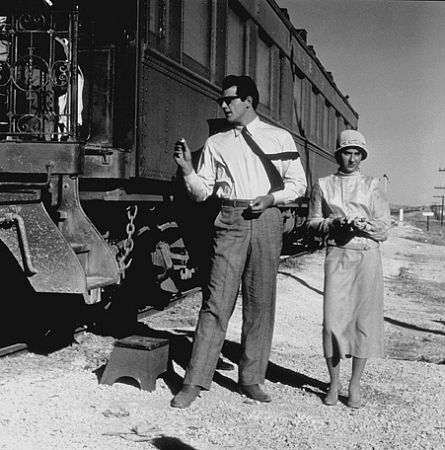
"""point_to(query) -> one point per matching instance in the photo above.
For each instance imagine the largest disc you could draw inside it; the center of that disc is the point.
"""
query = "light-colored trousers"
(246, 251)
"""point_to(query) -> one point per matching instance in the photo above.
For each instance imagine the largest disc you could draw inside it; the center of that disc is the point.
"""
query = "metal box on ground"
(142, 358)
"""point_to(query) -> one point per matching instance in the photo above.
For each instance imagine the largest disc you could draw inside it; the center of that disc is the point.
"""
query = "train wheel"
(171, 259)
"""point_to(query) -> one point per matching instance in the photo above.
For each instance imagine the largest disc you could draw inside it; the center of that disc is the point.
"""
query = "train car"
(93, 95)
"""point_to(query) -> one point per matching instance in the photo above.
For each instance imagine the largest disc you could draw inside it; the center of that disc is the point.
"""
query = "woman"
(351, 211)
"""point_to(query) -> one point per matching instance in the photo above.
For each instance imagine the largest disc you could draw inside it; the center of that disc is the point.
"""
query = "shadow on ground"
(413, 327)
(301, 281)
(170, 443)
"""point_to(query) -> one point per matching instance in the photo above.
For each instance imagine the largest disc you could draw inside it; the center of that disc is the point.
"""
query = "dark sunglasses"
(226, 100)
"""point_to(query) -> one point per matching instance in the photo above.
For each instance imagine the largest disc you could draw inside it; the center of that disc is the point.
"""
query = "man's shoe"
(254, 392)
(186, 396)
(224, 365)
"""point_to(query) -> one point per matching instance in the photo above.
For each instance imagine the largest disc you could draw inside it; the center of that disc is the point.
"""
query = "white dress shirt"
(229, 168)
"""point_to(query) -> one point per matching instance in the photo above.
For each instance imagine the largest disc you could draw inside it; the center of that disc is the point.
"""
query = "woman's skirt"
(353, 303)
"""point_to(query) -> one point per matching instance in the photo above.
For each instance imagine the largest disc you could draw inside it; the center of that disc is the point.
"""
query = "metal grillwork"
(38, 92)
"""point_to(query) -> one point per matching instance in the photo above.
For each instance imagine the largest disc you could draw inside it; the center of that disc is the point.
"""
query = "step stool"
(142, 358)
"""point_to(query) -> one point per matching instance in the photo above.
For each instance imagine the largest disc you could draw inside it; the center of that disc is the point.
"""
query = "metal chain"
(128, 243)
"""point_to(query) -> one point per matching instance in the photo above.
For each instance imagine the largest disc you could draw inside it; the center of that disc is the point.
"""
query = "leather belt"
(236, 202)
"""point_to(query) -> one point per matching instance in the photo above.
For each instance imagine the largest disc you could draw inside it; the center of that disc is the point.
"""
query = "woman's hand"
(360, 224)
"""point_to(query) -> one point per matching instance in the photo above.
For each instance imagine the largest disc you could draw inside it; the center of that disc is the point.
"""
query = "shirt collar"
(251, 127)
(344, 174)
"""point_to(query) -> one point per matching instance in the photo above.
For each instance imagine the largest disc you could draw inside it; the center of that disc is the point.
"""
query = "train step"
(142, 358)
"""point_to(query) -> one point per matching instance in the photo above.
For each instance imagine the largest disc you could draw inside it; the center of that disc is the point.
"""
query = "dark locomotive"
(93, 95)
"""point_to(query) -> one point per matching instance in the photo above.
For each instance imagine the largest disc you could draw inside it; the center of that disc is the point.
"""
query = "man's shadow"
(278, 374)
(180, 351)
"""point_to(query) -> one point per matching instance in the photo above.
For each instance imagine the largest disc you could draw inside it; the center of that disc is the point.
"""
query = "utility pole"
(441, 169)
(441, 209)
(442, 197)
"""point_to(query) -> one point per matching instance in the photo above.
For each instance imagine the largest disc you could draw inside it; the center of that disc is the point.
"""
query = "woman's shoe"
(331, 398)
(354, 400)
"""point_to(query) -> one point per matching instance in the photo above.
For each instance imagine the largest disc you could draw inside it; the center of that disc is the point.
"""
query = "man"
(248, 235)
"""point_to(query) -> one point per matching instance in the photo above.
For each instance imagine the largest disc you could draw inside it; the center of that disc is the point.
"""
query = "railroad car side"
(90, 107)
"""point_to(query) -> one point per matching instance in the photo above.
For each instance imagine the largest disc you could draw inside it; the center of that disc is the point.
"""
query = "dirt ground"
(56, 401)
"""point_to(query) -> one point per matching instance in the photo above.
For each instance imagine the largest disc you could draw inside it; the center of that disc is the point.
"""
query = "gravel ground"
(56, 401)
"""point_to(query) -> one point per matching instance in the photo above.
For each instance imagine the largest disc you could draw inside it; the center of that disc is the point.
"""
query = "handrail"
(11, 217)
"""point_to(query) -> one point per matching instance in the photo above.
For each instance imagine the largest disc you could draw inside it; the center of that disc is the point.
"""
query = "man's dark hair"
(245, 86)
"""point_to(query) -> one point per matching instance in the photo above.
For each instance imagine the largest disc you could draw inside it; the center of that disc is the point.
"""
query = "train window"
(314, 115)
(298, 104)
(321, 120)
(332, 129)
(340, 124)
(326, 125)
(285, 98)
(196, 35)
(306, 106)
(235, 44)
(336, 130)
(152, 16)
(263, 72)
(275, 81)
(157, 22)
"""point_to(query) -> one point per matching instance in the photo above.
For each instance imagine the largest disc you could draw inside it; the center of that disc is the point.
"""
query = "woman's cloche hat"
(352, 139)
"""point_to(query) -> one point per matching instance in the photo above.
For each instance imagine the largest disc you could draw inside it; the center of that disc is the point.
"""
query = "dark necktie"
(276, 182)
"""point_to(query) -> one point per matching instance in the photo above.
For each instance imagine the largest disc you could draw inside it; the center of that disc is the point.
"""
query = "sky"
(389, 57)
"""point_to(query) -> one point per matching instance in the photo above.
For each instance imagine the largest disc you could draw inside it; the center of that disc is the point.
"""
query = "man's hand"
(183, 157)
(261, 203)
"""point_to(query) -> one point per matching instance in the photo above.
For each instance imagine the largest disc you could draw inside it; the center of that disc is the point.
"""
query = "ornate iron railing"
(38, 86)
